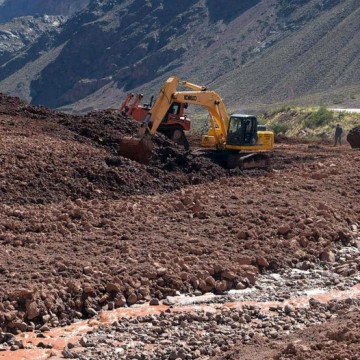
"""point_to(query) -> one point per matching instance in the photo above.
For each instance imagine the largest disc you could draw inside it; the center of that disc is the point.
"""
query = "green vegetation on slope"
(309, 123)
(299, 122)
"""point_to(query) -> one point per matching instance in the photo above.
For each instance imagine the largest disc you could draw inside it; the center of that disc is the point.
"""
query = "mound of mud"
(353, 137)
(107, 128)
(14, 106)
(80, 157)
(169, 168)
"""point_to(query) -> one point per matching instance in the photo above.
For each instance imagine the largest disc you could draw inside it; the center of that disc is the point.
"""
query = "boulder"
(113, 287)
(32, 310)
(261, 261)
(353, 137)
(228, 275)
(284, 229)
(327, 256)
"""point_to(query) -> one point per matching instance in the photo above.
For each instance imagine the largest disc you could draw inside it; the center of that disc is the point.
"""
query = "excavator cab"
(173, 113)
(243, 141)
(242, 130)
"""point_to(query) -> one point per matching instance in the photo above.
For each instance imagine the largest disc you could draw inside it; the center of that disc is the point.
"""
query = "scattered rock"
(328, 256)
(284, 229)
(154, 302)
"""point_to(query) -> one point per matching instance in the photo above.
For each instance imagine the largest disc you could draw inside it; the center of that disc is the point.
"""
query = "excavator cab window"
(242, 131)
(173, 110)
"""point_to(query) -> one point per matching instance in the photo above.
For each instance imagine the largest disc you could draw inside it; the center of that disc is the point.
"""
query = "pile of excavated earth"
(84, 231)
(79, 158)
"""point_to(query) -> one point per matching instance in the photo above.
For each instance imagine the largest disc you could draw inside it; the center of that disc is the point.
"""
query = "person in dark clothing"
(338, 133)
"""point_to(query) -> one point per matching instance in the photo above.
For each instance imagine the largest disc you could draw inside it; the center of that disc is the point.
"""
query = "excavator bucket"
(139, 150)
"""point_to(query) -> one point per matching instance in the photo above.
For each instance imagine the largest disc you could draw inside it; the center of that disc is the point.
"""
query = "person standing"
(338, 133)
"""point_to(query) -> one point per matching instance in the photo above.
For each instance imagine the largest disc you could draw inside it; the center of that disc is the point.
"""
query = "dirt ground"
(83, 229)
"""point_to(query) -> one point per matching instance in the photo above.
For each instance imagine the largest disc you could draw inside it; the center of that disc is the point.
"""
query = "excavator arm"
(160, 108)
(210, 100)
(193, 86)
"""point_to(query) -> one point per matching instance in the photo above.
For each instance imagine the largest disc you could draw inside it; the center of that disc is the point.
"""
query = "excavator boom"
(201, 97)
(161, 107)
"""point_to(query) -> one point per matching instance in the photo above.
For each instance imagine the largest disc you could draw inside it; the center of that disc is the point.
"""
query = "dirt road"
(84, 230)
(355, 111)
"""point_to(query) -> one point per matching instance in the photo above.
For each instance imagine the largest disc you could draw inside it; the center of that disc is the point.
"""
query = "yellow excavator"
(235, 139)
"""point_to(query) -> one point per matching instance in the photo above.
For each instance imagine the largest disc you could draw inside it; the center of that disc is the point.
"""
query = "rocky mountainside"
(24, 31)
(22, 23)
(10, 9)
(253, 52)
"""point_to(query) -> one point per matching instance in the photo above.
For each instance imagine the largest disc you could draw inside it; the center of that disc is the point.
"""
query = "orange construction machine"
(174, 123)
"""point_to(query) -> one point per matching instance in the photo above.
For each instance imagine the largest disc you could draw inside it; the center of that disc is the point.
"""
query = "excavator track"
(235, 160)
(248, 161)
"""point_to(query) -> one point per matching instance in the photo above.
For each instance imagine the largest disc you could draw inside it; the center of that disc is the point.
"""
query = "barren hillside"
(253, 52)
(10, 9)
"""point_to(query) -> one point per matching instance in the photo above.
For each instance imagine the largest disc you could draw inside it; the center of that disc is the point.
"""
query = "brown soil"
(82, 227)
(80, 158)
(338, 339)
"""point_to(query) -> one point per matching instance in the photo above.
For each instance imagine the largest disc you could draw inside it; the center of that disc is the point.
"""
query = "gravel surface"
(205, 334)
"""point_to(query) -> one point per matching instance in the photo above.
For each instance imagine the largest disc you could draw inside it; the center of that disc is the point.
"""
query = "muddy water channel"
(189, 327)
(56, 340)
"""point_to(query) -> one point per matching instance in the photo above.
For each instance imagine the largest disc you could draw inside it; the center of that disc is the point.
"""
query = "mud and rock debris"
(83, 229)
(228, 334)
(63, 156)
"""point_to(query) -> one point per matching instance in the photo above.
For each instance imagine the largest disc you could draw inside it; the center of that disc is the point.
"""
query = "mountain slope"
(10, 9)
(24, 31)
(30, 26)
(321, 56)
(253, 52)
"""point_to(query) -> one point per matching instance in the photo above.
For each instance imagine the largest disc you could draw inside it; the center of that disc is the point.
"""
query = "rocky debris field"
(83, 230)
(245, 333)
(266, 321)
